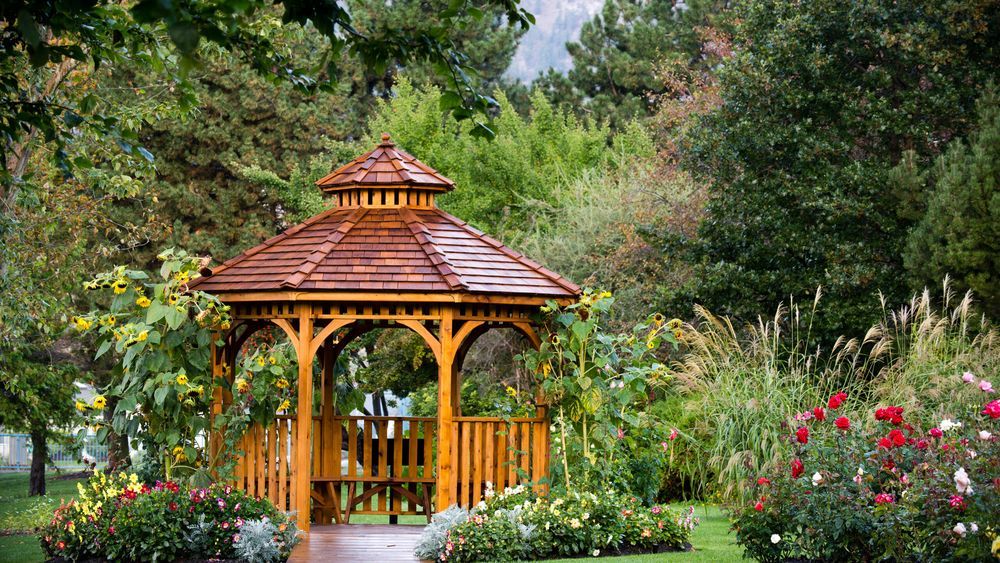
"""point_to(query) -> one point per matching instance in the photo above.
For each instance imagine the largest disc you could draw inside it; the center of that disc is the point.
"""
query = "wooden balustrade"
(503, 453)
(385, 464)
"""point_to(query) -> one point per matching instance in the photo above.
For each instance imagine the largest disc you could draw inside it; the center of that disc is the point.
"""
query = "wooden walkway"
(358, 543)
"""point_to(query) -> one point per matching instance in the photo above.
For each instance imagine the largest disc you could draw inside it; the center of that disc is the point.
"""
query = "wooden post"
(303, 419)
(445, 414)
(215, 445)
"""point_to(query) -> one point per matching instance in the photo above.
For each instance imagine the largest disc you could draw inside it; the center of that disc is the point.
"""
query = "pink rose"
(968, 377)
(985, 386)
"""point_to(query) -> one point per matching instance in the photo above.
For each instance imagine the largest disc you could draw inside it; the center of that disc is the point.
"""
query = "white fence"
(15, 453)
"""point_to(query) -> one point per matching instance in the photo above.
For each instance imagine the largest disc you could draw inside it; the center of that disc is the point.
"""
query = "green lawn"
(19, 514)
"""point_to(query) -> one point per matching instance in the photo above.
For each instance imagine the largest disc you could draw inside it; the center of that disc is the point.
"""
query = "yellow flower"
(182, 277)
(182, 379)
(674, 324)
(81, 323)
(281, 383)
(284, 405)
(173, 298)
(511, 391)
(260, 361)
(679, 334)
(650, 344)
(121, 286)
(995, 548)
(658, 319)
(272, 360)
(81, 406)
(143, 301)
(100, 402)
(242, 386)
(142, 336)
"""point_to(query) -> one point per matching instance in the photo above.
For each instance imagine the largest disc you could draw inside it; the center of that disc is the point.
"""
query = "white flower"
(861, 470)
(597, 552)
(959, 529)
(817, 479)
(973, 527)
(984, 435)
(962, 481)
(947, 424)
(775, 538)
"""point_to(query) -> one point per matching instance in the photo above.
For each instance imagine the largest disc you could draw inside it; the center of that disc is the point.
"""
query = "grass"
(20, 514)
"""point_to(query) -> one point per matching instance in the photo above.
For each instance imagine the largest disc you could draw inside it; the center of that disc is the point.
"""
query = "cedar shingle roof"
(386, 165)
(385, 249)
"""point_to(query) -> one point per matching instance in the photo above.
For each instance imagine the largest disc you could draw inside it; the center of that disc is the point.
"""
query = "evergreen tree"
(819, 103)
(617, 58)
(959, 235)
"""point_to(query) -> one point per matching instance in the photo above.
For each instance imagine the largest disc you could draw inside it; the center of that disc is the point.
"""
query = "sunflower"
(121, 286)
(81, 406)
(182, 379)
(173, 298)
(100, 402)
(284, 405)
(143, 301)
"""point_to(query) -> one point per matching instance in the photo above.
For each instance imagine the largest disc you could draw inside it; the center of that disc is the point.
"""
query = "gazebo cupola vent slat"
(384, 256)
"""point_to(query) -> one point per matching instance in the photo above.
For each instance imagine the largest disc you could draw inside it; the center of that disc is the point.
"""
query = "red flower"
(884, 442)
(61, 545)
(763, 481)
(936, 432)
(172, 506)
(957, 502)
(797, 468)
(922, 444)
(992, 409)
(897, 437)
(843, 423)
(759, 506)
(802, 435)
(891, 414)
(819, 414)
(836, 400)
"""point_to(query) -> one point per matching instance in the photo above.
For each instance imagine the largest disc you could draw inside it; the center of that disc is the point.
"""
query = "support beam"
(303, 417)
(445, 414)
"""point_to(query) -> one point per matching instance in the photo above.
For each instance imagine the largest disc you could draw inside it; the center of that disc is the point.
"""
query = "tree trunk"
(118, 455)
(39, 455)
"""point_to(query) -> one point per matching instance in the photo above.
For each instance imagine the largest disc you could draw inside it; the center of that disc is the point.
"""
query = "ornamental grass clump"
(885, 488)
(117, 517)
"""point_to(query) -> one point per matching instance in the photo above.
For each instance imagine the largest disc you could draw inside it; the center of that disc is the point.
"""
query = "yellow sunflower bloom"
(182, 379)
(81, 406)
(100, 402)
(143, 301)
(121, 286)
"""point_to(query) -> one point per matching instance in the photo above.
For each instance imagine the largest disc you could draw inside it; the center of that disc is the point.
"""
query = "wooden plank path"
(358, 543)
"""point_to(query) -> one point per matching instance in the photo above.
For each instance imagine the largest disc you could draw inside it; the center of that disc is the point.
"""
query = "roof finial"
(386, 141)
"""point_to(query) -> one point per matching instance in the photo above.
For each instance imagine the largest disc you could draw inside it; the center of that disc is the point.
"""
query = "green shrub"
(515, 524)
(117, 517)
(888, 489)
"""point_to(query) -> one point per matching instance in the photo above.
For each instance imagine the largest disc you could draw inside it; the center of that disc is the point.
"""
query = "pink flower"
(992, 409)
(936, 432)
(804, 416)
(665, 446)
(985, 386)
(968, 377)
(657, 509)
(673, 434)
(957, 502)
(843, 423)
(922, 444)
(884, 498)
(621, 433)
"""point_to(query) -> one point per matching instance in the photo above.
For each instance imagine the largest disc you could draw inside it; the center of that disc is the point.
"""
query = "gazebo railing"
(496, 451)
(385, 464)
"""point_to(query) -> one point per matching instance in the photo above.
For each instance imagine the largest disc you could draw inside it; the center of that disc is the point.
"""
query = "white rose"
(973, 527)
(984, 435)
(962, 481)
(817, 479)
(947, 424)
(959, 529)
(597, 552)
(775, 538)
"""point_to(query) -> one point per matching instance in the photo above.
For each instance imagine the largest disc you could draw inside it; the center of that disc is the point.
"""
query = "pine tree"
(959, 235)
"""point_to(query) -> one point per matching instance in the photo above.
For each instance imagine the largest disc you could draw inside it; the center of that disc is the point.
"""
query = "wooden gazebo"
(383, 256)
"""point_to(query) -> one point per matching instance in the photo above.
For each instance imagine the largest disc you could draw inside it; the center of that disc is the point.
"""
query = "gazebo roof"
(411, 246)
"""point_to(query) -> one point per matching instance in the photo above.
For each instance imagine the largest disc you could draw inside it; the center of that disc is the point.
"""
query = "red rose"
(797, 468)
(897, 437)
(802, 435)
(936, 432)
(992, 409)
(819, 414)
(172, 506)
(884, 442)
(843, 423)
(922, 444)
(836, 400)
(759, 506)
(763, 481)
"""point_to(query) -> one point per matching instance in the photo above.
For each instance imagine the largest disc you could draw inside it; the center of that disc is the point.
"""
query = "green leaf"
(103, 348)
(160, 395)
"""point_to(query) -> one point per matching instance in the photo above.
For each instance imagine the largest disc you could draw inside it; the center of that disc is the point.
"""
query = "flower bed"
(516, 524)
(118, 518)
(890, 491)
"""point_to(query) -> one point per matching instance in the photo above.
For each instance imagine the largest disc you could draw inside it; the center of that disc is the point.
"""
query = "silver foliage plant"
(435, 535)
(260, 541)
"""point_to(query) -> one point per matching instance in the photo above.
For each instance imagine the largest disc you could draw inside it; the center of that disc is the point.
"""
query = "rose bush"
(117, 517)
(517, 524)
(884, 489)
